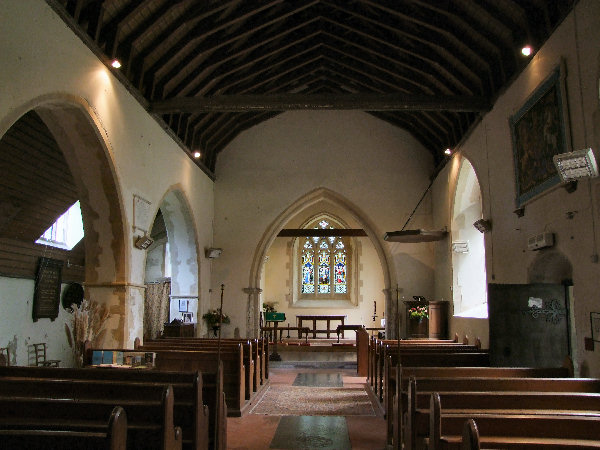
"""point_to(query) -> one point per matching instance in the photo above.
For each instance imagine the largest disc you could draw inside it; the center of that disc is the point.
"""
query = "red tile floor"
(276, 431)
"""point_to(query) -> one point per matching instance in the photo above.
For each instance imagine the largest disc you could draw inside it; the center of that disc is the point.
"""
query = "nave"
(314, 400)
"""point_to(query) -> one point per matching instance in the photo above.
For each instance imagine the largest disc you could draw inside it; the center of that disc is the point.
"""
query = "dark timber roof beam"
(288, 102)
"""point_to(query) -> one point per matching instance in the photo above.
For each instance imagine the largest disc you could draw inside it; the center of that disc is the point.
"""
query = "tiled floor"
(314, 369)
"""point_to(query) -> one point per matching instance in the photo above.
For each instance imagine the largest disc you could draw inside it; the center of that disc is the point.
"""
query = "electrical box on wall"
(540, 241)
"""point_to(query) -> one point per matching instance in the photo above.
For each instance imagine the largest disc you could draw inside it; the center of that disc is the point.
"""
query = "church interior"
(343, 184)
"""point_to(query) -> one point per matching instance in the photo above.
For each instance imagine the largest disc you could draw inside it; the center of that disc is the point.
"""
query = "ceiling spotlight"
(196, 154)
(527, 50)
(116, 63)
(447, 152)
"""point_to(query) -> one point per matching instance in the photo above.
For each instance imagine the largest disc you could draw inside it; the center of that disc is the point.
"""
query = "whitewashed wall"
(489, 149)
(377, 168)
(43, 59)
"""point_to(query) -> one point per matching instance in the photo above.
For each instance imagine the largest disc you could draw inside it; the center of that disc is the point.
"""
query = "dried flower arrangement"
(87, 324)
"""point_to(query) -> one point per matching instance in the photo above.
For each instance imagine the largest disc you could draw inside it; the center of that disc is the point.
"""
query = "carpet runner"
(314, 401)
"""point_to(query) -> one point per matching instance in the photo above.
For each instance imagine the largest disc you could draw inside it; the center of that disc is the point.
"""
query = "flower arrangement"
(87, 324)
(269, 306)
(419, 313)
(212, 317)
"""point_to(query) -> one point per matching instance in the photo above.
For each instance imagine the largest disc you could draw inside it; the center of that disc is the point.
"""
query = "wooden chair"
(4, 357)
(40, 356)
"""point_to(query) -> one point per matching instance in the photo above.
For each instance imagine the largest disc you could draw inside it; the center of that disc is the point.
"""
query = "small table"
(314, 319)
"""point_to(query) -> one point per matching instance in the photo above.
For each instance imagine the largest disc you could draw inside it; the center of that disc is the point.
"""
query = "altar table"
(314, 318)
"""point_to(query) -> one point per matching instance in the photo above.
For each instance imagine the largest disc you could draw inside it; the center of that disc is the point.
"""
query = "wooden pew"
(380, 348)
(497, 395)
(196, 394)
(260, 351)
(206, 361)
(29, 429)
(399, 377)
(413, 349)
(513, 430)
(434, 357)
(252, 373)
(376, 345)
(149, 406)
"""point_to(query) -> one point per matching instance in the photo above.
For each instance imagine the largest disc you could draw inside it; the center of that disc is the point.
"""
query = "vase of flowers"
(418, 313)
(214, 318)
(270, 306)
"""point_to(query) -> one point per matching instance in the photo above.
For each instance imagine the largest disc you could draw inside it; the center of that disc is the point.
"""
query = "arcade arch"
(469, 281)
(176, 253)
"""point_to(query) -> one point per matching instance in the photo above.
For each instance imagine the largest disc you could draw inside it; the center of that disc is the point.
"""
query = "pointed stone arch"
(86, 148)
(469, 279)
(183, 247)
(315, 197)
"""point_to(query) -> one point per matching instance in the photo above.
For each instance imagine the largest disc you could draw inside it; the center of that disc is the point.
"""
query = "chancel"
(284, 219)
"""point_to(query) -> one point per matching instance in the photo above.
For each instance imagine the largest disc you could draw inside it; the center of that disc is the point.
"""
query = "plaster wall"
(379, 169)
(18, 331)
(44, 62)
(489, 148)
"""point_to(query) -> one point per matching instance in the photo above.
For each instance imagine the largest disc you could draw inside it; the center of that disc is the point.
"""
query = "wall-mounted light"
(447, 152)
(527, 50)
(483, 226)
(115, 63)
(520, 212)
(574, 165)
(213, 252)
(143, 242)
(460, 246)
(197, 155)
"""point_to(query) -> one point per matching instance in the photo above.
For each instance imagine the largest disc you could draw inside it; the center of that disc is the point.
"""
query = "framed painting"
(539, 131)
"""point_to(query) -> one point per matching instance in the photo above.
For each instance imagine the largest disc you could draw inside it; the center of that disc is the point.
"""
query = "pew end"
(470, 436)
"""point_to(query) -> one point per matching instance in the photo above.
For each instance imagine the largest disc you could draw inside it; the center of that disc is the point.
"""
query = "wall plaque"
(46, 296)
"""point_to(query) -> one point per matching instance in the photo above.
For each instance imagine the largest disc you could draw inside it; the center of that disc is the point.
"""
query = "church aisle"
(311, 408)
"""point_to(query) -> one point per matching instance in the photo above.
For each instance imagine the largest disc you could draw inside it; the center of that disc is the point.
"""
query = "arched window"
(324, 265)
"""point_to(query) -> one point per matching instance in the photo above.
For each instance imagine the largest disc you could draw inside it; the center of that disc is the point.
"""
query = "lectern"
(274, 317)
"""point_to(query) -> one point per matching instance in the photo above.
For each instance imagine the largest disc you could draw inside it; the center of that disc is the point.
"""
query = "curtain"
(156, 308)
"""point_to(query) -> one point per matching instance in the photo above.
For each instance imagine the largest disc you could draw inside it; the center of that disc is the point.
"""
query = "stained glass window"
(308, 269)
(328, 257)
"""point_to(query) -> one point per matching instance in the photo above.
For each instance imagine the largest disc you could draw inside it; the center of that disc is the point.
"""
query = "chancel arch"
(275, 270)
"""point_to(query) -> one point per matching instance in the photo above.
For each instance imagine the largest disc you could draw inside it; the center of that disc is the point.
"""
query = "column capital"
(252, 290)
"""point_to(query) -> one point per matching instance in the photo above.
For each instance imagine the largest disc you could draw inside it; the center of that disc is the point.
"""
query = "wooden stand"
(179, 330)
(438, 319)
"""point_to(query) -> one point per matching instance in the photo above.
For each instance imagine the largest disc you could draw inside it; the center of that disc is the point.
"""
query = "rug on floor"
(314, 401)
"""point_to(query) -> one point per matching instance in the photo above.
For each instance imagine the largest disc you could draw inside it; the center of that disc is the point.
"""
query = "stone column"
(125, 302)
(252, 311)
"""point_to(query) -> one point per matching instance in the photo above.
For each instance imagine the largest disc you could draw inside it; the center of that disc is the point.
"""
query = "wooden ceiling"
(211, 69)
